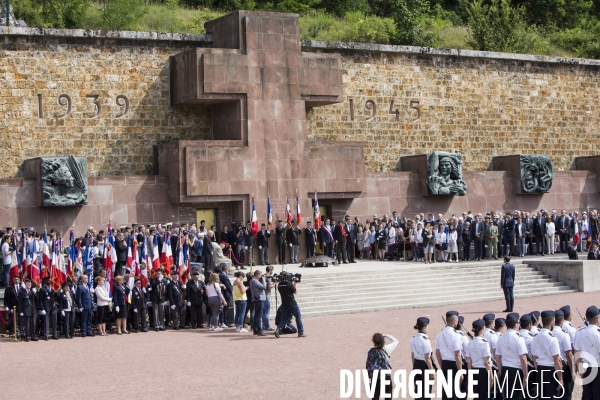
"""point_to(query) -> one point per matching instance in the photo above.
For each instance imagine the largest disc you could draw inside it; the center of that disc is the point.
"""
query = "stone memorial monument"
(62, 181)
(536, 173)
(444, 174)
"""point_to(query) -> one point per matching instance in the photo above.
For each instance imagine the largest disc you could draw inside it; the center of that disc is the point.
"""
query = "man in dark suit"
(195, 297)
(138, 305)
(563, 231)
(327, 238)
(350, 239)
(85, 304)
(310, 236)
(263, 244)
(507, 283)
(529, 233)
(293, 241)
(539, 232)
(158, 298)
(339, 234)
(45, 303)
(174, 242)
(460, 229)
(175, 296)
(280, 241)
(227, 292)
(477, 233)
(121, 249)
(66, 303)
(11, 300)
(572, 250)
(508, 235)
(26, 300)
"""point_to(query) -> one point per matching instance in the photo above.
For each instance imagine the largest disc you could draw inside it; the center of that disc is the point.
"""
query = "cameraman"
(258, 286)
(289, 307)
(267, 304)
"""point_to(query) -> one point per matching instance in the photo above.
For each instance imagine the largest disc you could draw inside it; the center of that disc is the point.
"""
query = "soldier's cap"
(513, 315)
(548, 313)
(592, 312)
(123, 227)
(489, 317)
(173, 272)
(451, 313)
(525, 319)
(27, 280)
(461, 319)
(65, 284)
(566, 309)
(478, 323)
(535, 315)
(500, 322)
(195, 273)
(423, 320)
(559, 313)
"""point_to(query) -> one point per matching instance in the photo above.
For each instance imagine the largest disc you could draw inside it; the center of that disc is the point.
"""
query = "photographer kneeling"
(289, 307)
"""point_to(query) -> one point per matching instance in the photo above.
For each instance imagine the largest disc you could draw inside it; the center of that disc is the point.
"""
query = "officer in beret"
(420, 354)
(479, 359)
(511, 358)
(546, 357)
(587, 346)
(175, 295)
(566, 354)
(448, 352)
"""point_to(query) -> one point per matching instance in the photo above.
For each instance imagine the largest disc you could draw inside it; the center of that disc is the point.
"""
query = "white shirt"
(550, 230)
(510, 347)
(463, 340)
(477, 350)
(544, 346)
(569, 329)
(447, 342)
(528, 337)
(440, 237)
(390, 347)
(452, 236)
(534, 330)
(6, 257)
(587, 340)
(102, 298)
(419, 346)
(419, 237)
(564, 341)
(492, 337)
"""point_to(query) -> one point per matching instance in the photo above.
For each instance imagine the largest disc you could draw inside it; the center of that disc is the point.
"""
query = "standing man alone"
(507, 283)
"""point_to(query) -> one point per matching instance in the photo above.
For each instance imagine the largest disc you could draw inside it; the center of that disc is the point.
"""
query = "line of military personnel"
(537, 353)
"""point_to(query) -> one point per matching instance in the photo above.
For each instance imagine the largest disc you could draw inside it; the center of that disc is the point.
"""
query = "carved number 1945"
(372, 106)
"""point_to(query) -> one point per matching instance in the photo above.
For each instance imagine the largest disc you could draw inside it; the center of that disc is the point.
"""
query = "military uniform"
(420, 347)
(175, 295)
(158, 297)
(195, 299)
(280, 241)
(544, 347)
(510, 347)
(45, 307)
(26, 298)
(448, 343)
(565, 346)
(477, 350)
(532, 384)
(587, 341)
(138, 305)
(491, 240)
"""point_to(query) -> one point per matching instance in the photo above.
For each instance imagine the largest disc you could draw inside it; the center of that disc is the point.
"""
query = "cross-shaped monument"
(259, 84)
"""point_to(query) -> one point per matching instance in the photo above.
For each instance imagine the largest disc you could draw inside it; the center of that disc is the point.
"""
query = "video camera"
(238, 226)
(285, 277)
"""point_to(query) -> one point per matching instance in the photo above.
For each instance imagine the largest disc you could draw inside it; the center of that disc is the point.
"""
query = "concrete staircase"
(415, 286)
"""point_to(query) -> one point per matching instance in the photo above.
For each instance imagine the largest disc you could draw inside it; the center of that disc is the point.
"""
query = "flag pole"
(15, 339)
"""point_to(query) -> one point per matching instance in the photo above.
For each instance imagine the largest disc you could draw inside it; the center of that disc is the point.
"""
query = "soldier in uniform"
(420, 354)
(66, 303)
(546, 357)
(26, 300)
(138, 305)
(490, 334)
(479, 359)
(527, 336)
(491, 239)
(511, 358)
(292, 238)
(311, 239)
(448, 352)
(587, 349)
(567, 326)
(175, 294)
(535, 321)
(158, 297)
(195, 298)
(463, 351)
(566, 355)
(280, 241)
(45, 304)
(11, 300)
(263, 244)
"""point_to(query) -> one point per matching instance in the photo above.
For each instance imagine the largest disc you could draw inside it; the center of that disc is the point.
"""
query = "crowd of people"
(533, 355)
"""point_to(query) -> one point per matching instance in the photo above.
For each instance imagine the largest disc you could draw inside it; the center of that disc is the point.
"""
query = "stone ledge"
(98, 34)
(387, 48)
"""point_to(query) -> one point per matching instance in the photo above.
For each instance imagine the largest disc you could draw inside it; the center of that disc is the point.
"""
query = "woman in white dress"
(440, 239)
(452, 244)
(550, 231)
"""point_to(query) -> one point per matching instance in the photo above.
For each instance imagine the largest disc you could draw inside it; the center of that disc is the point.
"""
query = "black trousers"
(547, 384)
(196, 316)
(509, 297)
(350, 250)
(329, 249)
(591, 391)
(449, 369)
(176, 317)
(569, 384)
(481, 384)
(27, 327)
(387, 389)
(137, 316)
(540, 244)
(67, 324)
(119, 268)
(310, 250)
(421, 365)
(281, 253)
(478, 247)
(341, 251)
(513, 389)
(467, 250)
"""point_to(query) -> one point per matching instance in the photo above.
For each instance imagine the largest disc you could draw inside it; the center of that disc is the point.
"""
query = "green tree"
(410, 19)
(494, 27)
(51, 13)
(122, 14)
